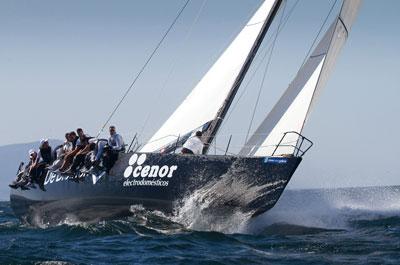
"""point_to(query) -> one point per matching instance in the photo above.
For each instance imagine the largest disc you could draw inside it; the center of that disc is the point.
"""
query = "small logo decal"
(275, 160)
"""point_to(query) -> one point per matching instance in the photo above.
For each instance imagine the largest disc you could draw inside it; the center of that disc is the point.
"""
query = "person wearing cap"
(23, 177)
(32, 160)
(193, 145)
(44, 154)
(43, 159)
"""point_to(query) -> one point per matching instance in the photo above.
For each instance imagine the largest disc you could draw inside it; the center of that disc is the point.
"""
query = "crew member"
(81, 141)
(43, 159)
(74, 139)
(44, 154)
(22, 179)
(114, 146)
(79, 158)
(193, 145)
(62, 151)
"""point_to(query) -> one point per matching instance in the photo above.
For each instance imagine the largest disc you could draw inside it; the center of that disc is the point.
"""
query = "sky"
(66, 64)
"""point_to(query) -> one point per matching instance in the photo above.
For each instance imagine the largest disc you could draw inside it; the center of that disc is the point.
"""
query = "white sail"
(292, 109)
(292, 119)
(203, 103)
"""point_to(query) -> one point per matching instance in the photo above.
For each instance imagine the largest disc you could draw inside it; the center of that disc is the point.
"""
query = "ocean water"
(333, 226)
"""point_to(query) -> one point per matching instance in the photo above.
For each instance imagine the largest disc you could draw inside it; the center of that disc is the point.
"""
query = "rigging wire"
(232, 36)
(319, 33)
(262, 60)
(185, 40)
(144, 67)
(315, 93)
(265, 74)
(266, 49)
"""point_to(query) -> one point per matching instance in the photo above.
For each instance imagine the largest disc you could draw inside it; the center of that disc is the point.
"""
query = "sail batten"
(293, 108)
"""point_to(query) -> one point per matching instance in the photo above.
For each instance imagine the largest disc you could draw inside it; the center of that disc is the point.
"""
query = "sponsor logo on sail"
(154, 175)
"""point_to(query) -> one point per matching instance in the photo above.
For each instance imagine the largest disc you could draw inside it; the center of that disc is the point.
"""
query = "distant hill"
(10, 157)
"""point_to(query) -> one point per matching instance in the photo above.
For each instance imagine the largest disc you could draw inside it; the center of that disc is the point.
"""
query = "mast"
(212, 95)
(209, 134)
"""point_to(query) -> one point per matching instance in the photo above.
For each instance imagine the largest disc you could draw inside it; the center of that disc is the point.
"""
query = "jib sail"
(291, 111)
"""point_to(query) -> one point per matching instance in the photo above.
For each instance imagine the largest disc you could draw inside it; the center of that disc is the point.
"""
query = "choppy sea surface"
(332, 226)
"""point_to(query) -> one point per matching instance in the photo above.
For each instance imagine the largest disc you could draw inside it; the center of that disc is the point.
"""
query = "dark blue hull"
(155, 181)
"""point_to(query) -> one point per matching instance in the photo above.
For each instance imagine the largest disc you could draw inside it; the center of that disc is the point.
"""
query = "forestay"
(201, 106)
(291, 111)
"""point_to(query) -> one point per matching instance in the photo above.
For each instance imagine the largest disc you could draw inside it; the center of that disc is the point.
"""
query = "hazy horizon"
(67, 63)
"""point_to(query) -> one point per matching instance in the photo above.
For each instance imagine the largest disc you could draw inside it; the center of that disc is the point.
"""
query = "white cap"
(31, 151)
(43, 140)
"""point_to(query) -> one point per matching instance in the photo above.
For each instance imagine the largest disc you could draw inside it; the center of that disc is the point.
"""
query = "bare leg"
(68, 159)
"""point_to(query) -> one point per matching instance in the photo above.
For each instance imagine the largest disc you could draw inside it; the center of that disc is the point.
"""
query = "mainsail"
(291, 111)
(212, 96)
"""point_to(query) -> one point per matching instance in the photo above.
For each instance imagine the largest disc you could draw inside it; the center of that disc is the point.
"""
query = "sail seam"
(308, 56)
(256, 23)
(320, 74)
(324, 48)
(318, 55)
(319, 32)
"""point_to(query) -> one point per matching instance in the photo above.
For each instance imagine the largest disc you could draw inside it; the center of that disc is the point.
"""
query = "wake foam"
(331, 208)
(198, 213)
(219, 206)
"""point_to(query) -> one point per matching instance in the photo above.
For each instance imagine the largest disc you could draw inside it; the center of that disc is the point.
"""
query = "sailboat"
(158, 177)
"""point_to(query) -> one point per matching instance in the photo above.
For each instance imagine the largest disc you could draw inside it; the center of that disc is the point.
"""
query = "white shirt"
(116, 142)
(67, 147)
(195, 145)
